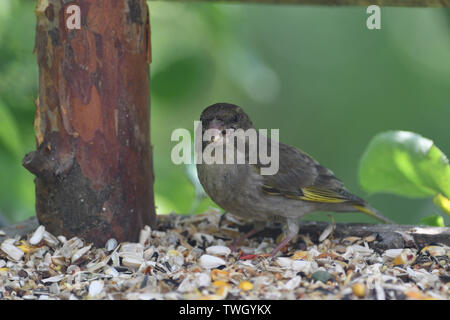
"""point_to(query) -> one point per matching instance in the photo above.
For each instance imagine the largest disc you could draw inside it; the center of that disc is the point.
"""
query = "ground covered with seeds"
(187, 257)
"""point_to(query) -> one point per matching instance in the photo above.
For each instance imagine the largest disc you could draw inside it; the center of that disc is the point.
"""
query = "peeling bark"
(93, 163)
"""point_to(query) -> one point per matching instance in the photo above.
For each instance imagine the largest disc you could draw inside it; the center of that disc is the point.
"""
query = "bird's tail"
(365, 208)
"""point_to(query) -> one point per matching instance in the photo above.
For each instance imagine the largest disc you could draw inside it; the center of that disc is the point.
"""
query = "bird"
(300, 186)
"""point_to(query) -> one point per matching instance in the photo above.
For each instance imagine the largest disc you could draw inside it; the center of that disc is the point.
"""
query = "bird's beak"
(219, 126)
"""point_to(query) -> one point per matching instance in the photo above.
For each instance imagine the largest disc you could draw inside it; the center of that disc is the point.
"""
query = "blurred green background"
(316, 73)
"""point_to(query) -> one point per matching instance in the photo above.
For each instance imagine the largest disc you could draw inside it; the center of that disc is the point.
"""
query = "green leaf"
(404, 163)
(9, 133)
(434, 221)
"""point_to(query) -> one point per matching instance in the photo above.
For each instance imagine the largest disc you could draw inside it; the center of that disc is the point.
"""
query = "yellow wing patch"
(308, 194)
(321, 195)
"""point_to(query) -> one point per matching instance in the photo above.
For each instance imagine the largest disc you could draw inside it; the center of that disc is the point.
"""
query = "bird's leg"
(291, 232)
(257, 228)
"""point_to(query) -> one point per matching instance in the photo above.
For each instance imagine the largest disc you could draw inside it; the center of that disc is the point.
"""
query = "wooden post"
(93, 163)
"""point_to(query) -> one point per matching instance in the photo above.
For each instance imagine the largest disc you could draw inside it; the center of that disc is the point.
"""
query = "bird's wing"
(303, 178)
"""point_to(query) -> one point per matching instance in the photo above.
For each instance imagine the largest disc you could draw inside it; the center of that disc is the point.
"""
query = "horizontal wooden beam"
(388, 236)
(365, 3)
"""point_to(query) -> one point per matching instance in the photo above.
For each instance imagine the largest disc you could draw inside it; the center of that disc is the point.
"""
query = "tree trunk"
(93, 164)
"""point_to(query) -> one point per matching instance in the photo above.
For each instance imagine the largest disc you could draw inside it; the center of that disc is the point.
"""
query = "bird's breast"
(227, 184)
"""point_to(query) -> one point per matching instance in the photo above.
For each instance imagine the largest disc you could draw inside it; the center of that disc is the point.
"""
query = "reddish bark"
(93, 164)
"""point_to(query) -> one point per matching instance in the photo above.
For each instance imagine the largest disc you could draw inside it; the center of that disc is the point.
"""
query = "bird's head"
(223, 116)
(224, 119)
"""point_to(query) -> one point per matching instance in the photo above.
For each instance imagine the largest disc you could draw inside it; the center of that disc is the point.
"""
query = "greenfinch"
(300, 186)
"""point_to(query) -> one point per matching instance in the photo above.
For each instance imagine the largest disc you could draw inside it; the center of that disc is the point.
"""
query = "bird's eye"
(236, 118)
(224, 132)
